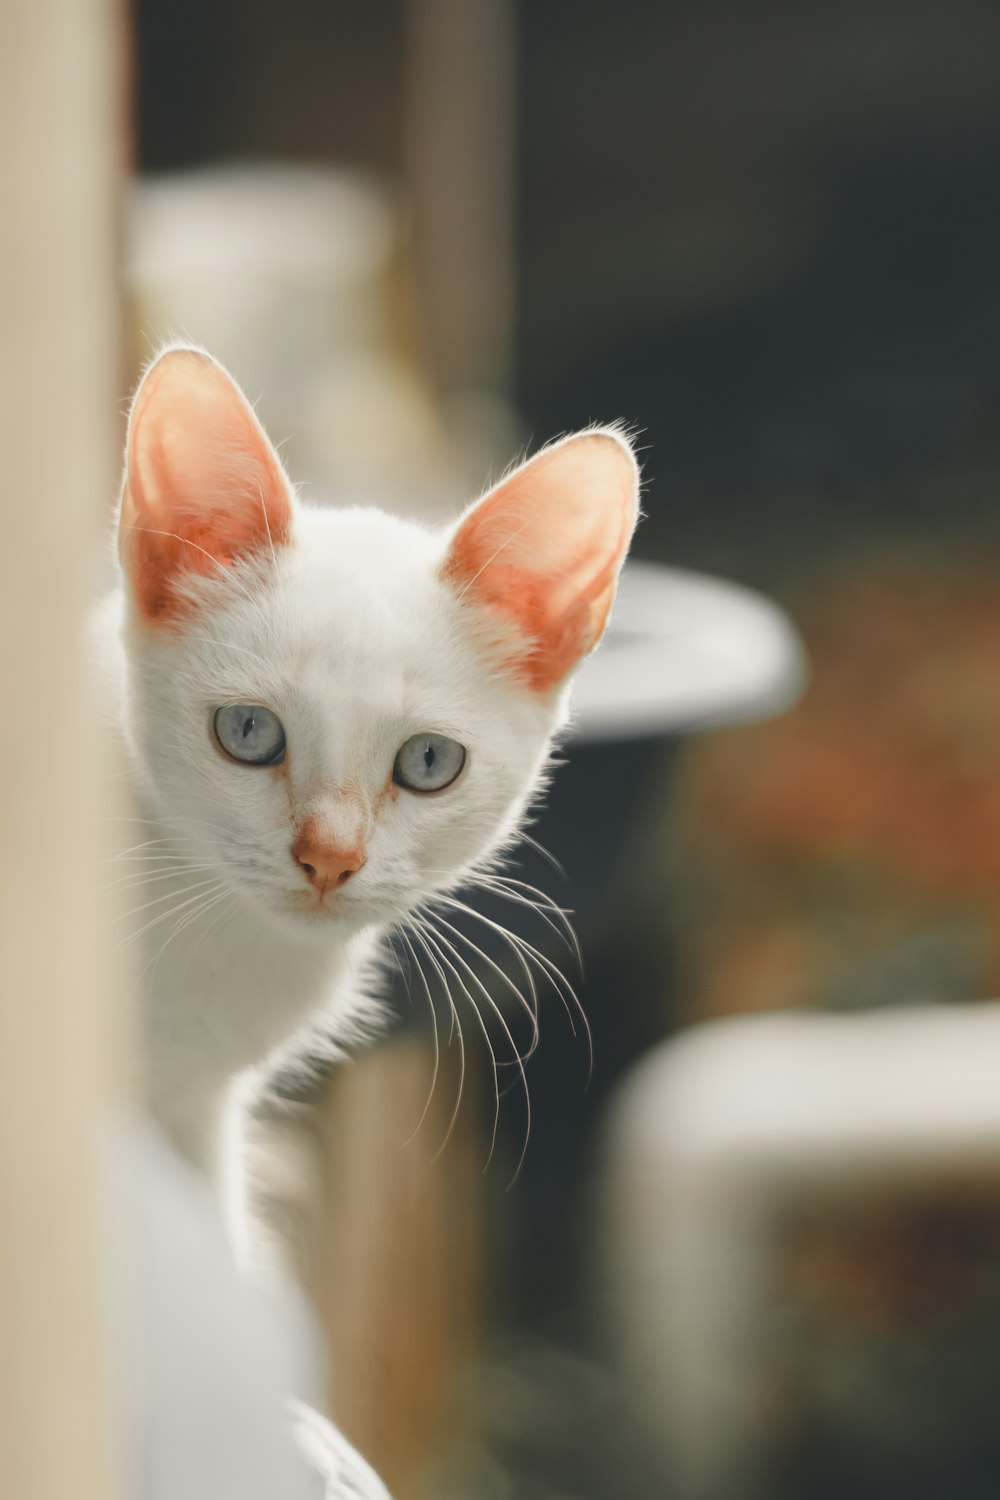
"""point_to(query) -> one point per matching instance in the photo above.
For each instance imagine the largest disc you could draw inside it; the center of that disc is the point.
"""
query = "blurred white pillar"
(61, 70)
(459, 161)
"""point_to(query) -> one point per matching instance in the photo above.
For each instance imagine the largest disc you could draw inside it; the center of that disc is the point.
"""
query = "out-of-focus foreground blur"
(755, 1252)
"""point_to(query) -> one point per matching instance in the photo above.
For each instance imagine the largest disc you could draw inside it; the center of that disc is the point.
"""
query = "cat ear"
(203, 484)
(542, 551)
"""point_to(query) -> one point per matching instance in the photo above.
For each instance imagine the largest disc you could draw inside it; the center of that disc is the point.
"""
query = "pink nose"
(326, 866)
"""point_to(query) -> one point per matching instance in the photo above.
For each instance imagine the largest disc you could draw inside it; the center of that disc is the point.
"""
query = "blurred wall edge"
(60, 144)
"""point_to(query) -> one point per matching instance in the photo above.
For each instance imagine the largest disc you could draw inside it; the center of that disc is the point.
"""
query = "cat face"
(338, 711)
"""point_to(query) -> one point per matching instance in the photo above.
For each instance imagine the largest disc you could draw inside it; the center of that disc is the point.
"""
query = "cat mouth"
(356, 909)
(318, 904)
(322, 905)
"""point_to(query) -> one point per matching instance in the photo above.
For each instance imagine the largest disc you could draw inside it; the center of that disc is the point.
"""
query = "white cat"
(329, 715)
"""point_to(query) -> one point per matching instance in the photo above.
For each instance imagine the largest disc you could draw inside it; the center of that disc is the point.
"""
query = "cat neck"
(222, 990)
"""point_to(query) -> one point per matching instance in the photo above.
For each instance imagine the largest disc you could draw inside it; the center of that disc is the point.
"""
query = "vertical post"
(459, 164)
(60, 142)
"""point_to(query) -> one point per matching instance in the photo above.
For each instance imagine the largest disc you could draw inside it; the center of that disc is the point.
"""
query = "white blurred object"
(214, 1370)
(718, 1143)
(269, 266)
(293, 277)
(686, 651)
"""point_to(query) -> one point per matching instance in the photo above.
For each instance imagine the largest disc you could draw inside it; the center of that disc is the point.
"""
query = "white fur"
(353, 639)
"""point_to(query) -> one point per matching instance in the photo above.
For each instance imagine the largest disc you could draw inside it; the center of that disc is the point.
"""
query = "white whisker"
(531, 1011)
(437, 1042)
(430, 936)
(171, 912)
(243, 650)
(145, 877)
(135, 910)
(267, 523)
(565, 991)
(544, 908)
(526, 838)
(516, 1056)
(226, 911)
(421, 939)
(227, 573)
(208, 901)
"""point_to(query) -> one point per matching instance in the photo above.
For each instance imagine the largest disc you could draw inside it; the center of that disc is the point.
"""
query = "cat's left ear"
(542, 551)
(203, 486)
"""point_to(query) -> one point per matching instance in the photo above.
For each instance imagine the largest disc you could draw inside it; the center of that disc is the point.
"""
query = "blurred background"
(756, 1249)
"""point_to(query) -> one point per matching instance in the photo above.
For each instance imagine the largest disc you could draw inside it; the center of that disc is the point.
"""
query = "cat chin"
(300, 918)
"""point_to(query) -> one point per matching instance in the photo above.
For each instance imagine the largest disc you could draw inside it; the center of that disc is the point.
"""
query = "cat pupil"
(429, 756)
(248, 726)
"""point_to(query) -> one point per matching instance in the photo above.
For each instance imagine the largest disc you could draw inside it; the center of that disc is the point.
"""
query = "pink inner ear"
(544, 549)
(203, 487)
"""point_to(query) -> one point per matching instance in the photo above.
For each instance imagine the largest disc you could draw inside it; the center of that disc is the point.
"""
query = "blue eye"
(428, 763)
(250, 733)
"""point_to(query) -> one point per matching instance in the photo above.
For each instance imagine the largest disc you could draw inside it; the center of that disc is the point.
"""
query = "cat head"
(338, 711)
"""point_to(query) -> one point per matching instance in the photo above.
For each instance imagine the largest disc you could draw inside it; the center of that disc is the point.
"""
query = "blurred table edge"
(686, 651)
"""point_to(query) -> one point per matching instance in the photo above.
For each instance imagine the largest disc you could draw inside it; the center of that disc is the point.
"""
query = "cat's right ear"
(542, 551)
(203, 487)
